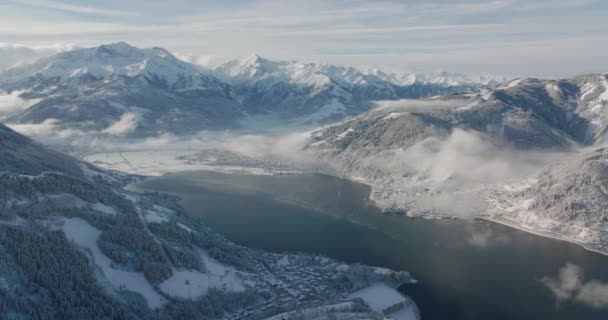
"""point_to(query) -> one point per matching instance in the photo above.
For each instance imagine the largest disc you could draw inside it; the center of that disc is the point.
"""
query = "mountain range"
(120, 90)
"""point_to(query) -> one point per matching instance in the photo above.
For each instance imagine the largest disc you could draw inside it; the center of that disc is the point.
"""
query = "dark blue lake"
(466, 269)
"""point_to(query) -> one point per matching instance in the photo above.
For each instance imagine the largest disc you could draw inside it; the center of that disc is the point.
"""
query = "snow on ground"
(284, 261)
(511, 84)
(155, 216)
(90, 173)
(408, 312)
(332, 311)
(379, 296)
(185, 227)
(85, 236)
(162, 209)
(100, 207)
(486, 94)
(604, 95)
(158, 163)
(329, 110)
(193, 284)
(394, 115)
(470, 105)
(214, 267)
(344, 134)
(587, 89)
(552, 88)
(318, 143)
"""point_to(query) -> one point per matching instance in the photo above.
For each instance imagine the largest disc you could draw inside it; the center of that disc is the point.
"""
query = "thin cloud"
(359, 31)
(56, 5)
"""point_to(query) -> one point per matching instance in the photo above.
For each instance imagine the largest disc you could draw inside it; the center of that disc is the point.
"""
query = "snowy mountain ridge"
(254, 67)
(90, 90)
(325, 92)
(116, 59)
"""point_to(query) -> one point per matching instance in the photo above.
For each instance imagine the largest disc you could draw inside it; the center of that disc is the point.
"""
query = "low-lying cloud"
(570, 285)
(12, 103)
(421, 105)
(53, 131)
(448, 174)
(464, 157)
(482, 237)
(126, 124)
(287, 147)
(49, 130)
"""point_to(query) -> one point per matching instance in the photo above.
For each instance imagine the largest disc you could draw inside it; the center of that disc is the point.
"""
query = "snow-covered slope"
(568, 199)
(453, 155)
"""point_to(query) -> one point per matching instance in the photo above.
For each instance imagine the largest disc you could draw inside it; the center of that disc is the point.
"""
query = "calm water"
(465, 269)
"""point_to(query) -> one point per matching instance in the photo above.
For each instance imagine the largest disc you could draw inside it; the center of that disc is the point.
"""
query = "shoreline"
(500, 220)
(546, 234)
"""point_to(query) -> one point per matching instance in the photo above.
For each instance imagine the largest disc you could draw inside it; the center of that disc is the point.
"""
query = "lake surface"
(466, 269)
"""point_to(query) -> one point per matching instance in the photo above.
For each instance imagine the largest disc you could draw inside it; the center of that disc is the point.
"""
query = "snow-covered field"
(193, 284)
(161, 162)
(85, 236)
(381, 297)
(336, 311)
(183, 284)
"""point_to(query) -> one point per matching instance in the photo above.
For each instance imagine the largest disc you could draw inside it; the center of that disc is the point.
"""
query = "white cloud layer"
(48, 131)
(11, 103)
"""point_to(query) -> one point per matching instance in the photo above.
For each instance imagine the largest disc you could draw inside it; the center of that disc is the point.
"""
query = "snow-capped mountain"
(93, 89)
(322, 92)
(526, 113)
(445, 79)
(457, 154)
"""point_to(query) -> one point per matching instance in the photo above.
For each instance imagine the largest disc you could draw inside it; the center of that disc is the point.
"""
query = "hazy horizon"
(503, 37)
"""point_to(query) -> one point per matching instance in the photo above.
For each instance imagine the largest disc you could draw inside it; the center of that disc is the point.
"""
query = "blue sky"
(550, 38)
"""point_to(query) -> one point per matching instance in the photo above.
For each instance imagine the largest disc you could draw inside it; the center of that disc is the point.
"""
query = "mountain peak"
(118, 59)
(117, 49)
(255, 58)
(255, 65)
